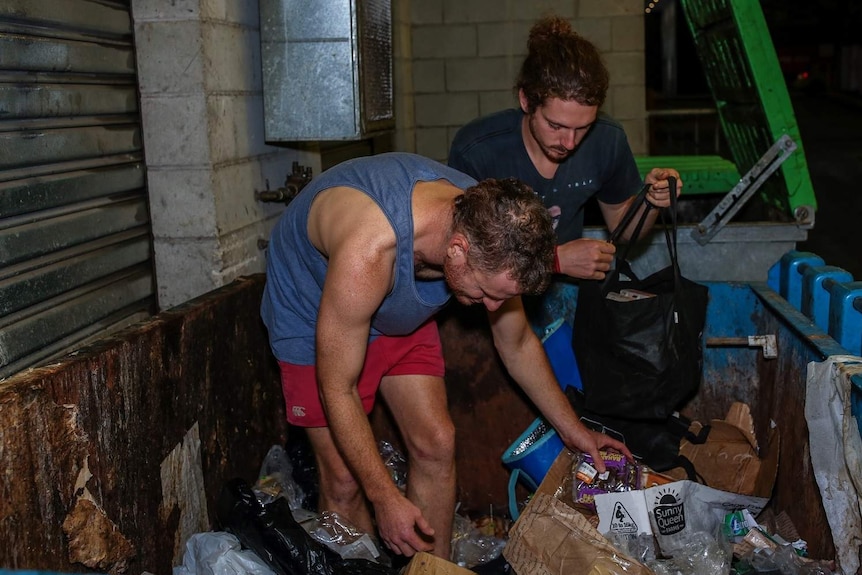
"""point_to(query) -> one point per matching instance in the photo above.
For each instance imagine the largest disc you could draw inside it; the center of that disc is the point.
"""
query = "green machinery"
(768, 161)
(741, 67)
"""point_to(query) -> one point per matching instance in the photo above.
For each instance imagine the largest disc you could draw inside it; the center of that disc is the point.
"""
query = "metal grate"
(375, 38)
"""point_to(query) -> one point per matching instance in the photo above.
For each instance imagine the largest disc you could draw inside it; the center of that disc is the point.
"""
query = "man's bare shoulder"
(344, 216)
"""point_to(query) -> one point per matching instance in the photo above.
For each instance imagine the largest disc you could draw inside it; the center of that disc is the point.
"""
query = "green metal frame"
(742, 70)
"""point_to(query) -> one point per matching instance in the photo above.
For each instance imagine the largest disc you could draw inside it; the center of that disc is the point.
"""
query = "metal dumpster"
(490, 412)
(136, 434)
(114, 455)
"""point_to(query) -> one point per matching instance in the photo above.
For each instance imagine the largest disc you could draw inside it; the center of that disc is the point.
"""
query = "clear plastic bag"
(395, 463)
(695, 554)
(471, 547)
(341, 536)
(276, 479)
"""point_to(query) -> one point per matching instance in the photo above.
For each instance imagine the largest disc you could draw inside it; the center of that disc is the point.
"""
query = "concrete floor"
(831, 130)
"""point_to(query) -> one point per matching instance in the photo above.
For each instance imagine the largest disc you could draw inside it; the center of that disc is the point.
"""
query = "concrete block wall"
(405, 121)
(201, 95)
(466, 55)
(202, 110)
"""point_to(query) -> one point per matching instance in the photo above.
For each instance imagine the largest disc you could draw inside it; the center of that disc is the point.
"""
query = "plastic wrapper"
(700, 553)
(784, 559)
(395, 463)
(274, 535)
(341, 536)
(472, 547)
(620, 475)
(641, 547)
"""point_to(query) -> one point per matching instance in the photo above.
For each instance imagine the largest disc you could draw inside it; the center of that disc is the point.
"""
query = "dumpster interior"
(140, 433)
(118, 453)
(115, 454)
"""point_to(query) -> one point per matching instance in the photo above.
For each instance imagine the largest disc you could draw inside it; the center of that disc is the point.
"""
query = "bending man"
(357, 267)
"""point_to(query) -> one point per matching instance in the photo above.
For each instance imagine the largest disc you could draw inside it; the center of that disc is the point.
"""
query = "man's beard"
(554, 153)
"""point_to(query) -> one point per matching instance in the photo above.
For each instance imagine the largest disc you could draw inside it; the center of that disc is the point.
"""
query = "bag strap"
(621, 264)
(629, 216)
(690, 472)
(670, 235)
(670, 231)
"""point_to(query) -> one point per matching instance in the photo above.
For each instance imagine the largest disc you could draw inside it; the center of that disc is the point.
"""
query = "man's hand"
(588, 441)
(401, 526)
(586, 258)
(659, 191)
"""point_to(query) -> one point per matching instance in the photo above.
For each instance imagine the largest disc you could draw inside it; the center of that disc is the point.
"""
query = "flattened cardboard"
(551, 538)
(730, 459)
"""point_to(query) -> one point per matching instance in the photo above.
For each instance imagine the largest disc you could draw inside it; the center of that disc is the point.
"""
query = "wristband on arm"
(556, 260)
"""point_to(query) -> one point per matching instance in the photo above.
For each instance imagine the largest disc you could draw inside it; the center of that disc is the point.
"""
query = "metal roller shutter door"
(75, 240)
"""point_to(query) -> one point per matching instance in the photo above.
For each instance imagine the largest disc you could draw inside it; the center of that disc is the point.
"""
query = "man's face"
(470, 286)
(558, 126)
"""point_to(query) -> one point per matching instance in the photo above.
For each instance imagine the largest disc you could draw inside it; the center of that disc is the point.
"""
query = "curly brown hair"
(561, 64)
(509, 230)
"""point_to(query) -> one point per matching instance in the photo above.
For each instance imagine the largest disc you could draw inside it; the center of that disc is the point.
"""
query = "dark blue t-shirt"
(602, 166)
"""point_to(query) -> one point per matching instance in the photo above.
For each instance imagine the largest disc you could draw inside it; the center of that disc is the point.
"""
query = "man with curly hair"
(357, 267)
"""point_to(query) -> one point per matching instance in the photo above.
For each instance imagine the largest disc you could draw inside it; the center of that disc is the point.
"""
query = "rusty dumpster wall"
(126, 443)
(774, 388)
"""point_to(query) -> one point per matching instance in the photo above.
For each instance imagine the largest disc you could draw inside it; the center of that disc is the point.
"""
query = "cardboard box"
(552, 538)
(550, 530)
(427, 564)
(731, 459)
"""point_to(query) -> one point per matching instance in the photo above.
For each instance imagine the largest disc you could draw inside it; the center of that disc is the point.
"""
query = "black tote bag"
(640, 360)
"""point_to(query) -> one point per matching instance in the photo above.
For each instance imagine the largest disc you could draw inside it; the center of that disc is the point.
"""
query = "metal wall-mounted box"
(327, 69)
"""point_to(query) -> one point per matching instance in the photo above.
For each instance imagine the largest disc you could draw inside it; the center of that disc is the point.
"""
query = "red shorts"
(419, 353)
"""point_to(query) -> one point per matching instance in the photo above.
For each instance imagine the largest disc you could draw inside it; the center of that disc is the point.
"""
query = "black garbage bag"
(271, 531)
(496, 566)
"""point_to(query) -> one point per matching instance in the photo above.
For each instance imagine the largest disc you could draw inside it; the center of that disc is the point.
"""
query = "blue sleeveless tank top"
(295, 270)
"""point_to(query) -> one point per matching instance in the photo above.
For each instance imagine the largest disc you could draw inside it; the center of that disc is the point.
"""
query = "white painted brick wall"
(438, 41)
(480, 74)
(429, 76)
(503, 38)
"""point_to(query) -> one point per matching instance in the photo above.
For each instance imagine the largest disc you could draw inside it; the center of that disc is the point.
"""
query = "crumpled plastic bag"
(276, 479)
(219, 553)
(341, 536)
(470, 547)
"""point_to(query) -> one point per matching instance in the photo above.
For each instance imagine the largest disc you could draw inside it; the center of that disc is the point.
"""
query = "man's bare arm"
(524, 357)
(359, 275)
